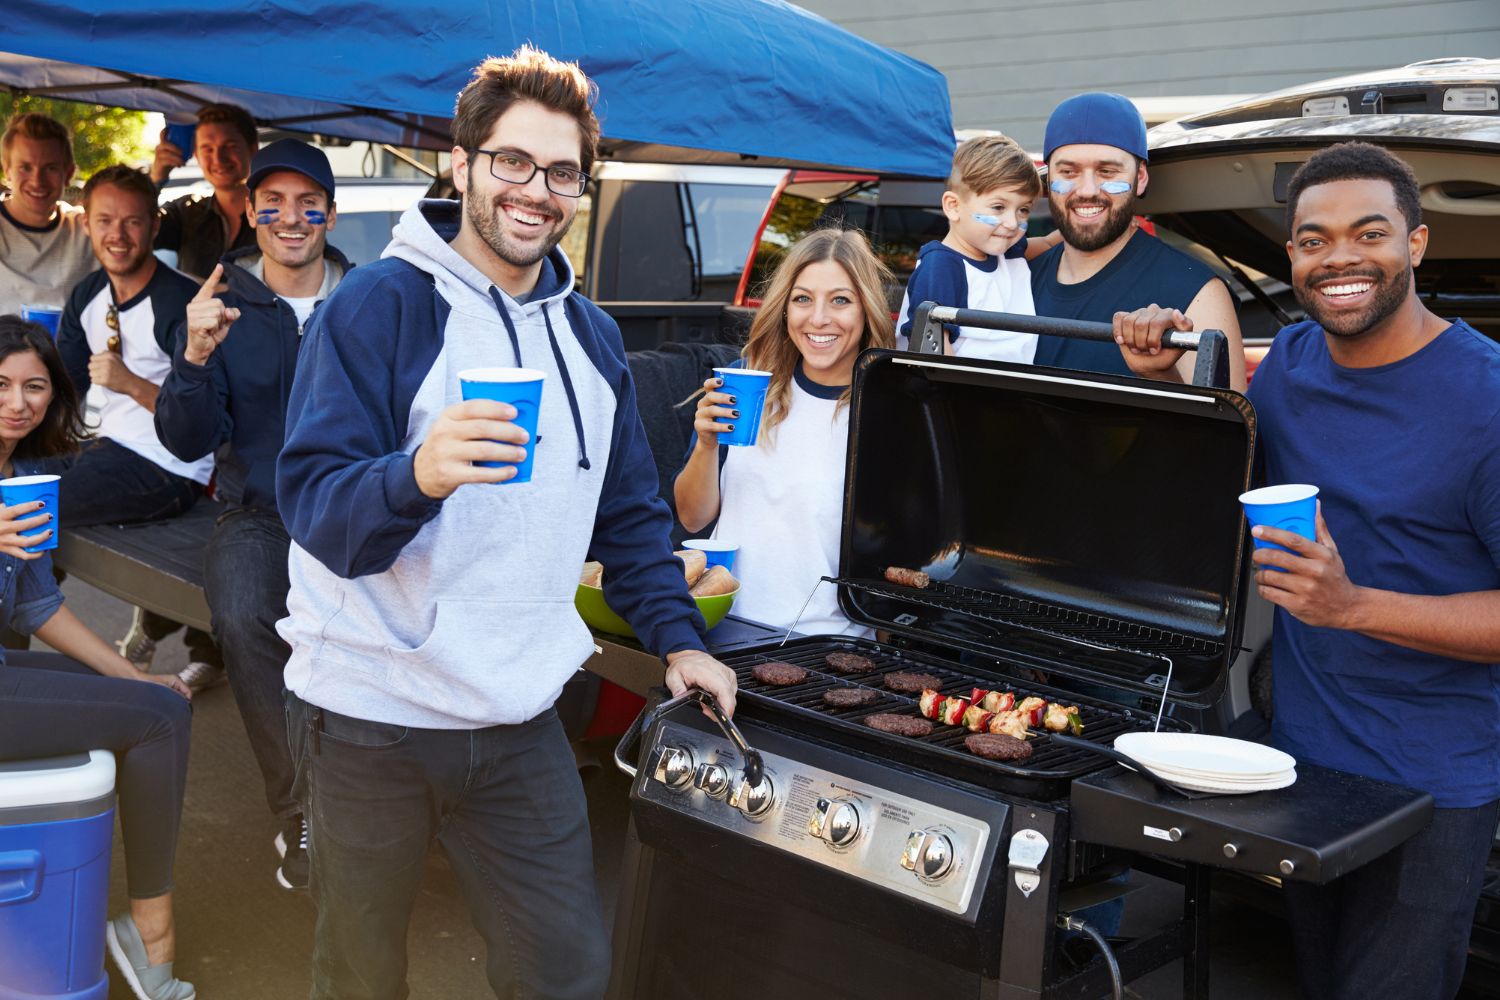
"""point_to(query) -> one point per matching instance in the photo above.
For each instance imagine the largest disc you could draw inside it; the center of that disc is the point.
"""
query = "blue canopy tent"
(749, 82)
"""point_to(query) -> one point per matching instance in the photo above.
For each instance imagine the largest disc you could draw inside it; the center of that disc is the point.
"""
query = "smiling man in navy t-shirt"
(1388, 634)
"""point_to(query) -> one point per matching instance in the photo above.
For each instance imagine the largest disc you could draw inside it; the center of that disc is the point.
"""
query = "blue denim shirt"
(28, 591)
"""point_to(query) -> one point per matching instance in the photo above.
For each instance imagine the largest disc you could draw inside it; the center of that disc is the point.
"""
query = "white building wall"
(1009, 62)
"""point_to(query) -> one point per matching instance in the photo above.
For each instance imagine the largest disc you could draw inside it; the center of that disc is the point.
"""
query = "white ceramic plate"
(1236, 788)
(1211, 758)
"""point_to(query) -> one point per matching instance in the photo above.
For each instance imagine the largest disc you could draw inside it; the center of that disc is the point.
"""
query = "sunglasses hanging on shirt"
(112, 320)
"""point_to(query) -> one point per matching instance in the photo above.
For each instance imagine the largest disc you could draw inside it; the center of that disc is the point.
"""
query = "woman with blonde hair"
(781, 500)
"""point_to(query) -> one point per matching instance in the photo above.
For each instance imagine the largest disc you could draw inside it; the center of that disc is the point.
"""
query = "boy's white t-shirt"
(782, 503)
(995, 284)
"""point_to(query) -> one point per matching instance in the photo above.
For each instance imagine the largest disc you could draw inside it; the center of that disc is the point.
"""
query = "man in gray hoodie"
(431, 612)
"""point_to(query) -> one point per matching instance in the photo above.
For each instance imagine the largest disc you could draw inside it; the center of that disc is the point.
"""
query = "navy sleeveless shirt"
(1146, 270)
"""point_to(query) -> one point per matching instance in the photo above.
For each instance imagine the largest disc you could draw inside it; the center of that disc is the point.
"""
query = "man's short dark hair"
(126, 179)
(232, 115)
(528, 74)
(1357, 161)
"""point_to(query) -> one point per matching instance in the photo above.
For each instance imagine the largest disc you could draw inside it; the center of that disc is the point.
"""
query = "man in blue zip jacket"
(431, 613)
(226, 395)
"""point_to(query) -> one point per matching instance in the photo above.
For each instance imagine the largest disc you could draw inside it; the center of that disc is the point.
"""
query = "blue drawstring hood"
(458, 613)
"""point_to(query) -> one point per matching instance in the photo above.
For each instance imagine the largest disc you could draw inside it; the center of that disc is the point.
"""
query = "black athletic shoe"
(291, 844)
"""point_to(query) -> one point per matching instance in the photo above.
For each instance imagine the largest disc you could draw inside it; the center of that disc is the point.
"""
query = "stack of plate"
(1210, 763)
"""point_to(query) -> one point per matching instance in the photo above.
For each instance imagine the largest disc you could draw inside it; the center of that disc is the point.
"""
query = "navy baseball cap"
(292, 154)
(1096, 118)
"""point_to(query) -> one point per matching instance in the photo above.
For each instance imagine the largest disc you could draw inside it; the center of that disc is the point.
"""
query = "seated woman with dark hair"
(86, 696)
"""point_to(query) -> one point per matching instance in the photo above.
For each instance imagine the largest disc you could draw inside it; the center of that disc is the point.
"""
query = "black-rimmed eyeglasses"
(513, 168)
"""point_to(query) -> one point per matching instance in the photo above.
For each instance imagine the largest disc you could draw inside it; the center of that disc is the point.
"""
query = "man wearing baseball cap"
(1096, 154)
(226, 395)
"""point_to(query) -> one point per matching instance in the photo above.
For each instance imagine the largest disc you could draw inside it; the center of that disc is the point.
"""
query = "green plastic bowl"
(597, 614)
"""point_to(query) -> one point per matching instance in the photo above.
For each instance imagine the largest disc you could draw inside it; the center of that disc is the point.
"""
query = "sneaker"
(137, 646)
(200, 676)
(146, 981)
(291, 844)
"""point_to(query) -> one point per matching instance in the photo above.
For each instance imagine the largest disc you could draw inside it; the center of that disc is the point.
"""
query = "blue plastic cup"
(748, 387)
(521, 388)
(29, 489)
(44, 316)
(718, 551)
(1291, 507)
(181, 132)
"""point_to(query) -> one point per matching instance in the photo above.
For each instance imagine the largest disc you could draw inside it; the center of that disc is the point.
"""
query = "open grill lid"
(1086, 524)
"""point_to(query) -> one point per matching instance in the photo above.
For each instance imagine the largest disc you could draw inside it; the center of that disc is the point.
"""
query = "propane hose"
(1072, 923)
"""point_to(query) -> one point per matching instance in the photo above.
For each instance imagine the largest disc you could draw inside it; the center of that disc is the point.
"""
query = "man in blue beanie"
(1095, 150)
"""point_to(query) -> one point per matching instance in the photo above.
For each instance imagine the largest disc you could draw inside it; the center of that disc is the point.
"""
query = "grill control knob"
(713, 779)
(674, 767)
(835, 821)
(753, 801)
(928, 854)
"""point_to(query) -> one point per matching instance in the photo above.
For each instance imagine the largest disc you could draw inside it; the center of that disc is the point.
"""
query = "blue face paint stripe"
(987, 220)
(1113, 188)
(266, 216)
(314, 217)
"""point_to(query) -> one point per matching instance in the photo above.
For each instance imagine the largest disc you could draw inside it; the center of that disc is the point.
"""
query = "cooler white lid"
(56, 780)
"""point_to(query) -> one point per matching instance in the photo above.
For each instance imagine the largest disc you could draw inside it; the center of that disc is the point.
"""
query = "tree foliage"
(101, 135)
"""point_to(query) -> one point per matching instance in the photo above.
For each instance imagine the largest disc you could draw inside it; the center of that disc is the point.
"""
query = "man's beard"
(484, 216)
(1389, 296)
(1115, 220)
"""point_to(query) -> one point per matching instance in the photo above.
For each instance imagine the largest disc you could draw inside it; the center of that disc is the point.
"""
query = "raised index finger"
(211, 285)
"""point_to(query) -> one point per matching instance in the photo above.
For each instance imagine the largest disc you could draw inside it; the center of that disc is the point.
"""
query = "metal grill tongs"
(627, 748)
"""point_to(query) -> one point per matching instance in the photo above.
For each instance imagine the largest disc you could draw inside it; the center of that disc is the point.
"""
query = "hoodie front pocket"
(491, 661)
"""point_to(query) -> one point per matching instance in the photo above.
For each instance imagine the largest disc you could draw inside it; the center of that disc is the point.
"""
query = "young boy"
(981, 263)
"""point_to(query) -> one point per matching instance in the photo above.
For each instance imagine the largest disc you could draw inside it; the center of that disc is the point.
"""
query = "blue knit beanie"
(1096, 118)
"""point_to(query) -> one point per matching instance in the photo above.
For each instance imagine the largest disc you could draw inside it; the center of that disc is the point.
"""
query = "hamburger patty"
(909, 683)
(850, 697)
(778, 673)
(998, 746)
(850, 663)
(900, 725)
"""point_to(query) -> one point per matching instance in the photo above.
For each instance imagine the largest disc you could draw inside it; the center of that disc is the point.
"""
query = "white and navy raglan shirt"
(995, 284)
(147, 321)
(458, 613)
(782, 502)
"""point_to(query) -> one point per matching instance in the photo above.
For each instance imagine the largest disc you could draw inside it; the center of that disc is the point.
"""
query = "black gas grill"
(1085, 546)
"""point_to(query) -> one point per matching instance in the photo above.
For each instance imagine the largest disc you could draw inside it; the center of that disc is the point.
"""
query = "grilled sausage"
(903, 577)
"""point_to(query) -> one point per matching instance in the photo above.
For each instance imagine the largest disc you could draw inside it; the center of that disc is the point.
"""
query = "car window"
(362, 236)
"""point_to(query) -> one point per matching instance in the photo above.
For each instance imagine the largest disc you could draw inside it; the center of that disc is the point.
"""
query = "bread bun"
(694, 562)
(716, 581)
(593, 574)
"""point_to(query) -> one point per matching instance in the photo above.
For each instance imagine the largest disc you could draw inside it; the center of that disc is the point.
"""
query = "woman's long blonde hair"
(770, 347)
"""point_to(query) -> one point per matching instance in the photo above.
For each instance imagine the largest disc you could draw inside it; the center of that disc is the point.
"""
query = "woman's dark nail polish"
(732, 400)
(735, 414)
(731, 426)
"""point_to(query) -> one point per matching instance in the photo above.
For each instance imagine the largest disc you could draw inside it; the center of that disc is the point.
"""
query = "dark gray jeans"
(245, 581)
(1399, 926)
(508, 808)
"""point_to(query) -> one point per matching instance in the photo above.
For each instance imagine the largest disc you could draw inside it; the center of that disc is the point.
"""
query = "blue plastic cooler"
(57, 819)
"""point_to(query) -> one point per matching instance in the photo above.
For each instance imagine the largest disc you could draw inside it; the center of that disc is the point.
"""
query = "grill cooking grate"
(943, 750)
(1055, 621)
